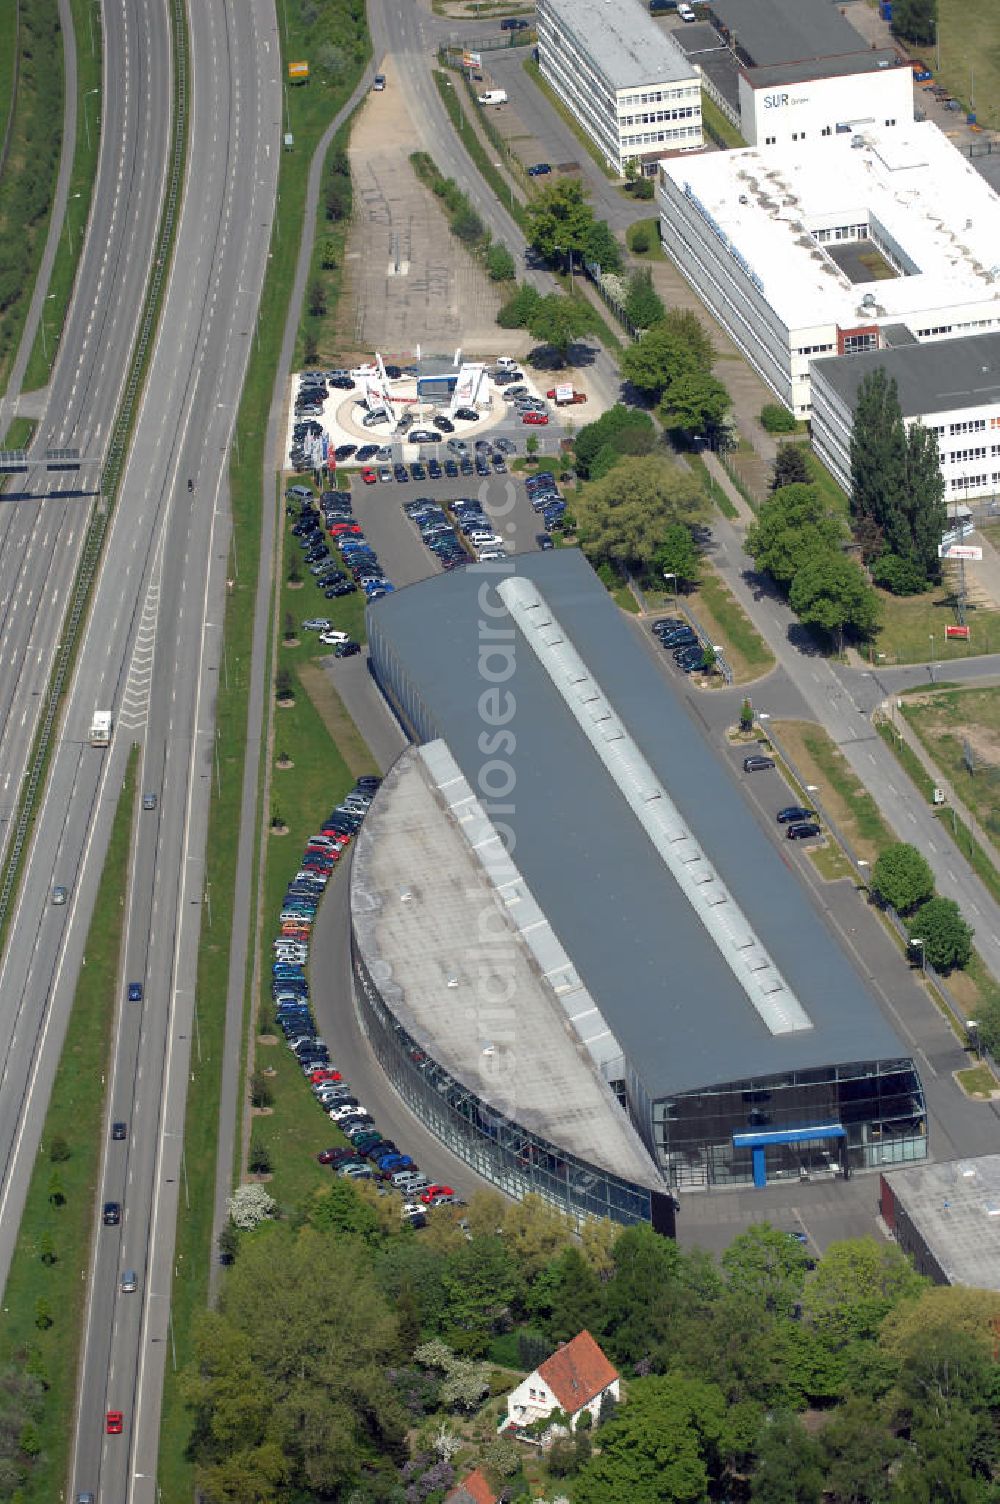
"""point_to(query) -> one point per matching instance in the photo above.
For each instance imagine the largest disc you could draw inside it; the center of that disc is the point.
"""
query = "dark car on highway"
(112, 1213)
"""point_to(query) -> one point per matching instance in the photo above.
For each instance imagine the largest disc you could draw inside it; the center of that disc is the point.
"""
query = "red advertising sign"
(962, 632)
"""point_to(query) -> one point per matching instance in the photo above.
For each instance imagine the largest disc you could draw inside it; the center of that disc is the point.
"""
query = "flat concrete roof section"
(623, 41)
(932, 378)
(909, 185)
(442, 941)
(658, 977)
(787, 31)
(955, 1209)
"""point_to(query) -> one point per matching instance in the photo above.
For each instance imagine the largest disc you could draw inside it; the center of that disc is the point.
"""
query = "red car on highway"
(114, 1423)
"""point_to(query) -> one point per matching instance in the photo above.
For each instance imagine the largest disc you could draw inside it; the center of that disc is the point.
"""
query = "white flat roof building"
(816, 248)
(625, 79)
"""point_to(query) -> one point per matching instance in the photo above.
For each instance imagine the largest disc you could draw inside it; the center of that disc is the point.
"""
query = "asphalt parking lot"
(379, 510)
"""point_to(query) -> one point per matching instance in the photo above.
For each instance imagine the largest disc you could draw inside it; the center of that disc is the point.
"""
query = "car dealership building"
(576, 953)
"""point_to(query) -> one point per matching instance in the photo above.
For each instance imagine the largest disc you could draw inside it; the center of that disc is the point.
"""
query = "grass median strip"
(31, 164)
(89, 46)
(45, 1295)
(746, 651)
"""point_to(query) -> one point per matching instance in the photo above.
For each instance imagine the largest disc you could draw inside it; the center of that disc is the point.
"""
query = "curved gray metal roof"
(659, 979)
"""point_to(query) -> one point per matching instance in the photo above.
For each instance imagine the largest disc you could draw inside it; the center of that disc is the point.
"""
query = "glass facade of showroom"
(799, 1125)
(503, 1152)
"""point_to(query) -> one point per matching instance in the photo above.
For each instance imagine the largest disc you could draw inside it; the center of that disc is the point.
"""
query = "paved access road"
(409, 34)
(151, 653)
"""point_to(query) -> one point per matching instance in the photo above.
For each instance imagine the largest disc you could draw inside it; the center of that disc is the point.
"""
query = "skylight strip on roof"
(758, 976)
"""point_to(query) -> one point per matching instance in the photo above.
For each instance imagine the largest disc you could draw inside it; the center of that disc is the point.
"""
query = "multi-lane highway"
(151, 653)
(40, 537)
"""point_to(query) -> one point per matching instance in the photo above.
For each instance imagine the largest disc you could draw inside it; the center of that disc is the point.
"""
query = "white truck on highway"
(100, 729)
(493, 96)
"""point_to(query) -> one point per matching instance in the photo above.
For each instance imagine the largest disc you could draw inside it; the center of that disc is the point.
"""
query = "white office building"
(625, 79)
(951, 386)
(851, 243)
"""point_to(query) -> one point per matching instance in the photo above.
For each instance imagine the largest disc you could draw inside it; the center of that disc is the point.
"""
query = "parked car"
(803, 830)
(793, 814)
(757, 763)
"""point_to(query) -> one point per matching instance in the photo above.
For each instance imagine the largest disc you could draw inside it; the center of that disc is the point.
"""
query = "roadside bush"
(59, 1150)
(518, 309)
(500, 265)
(643, 189)
(639, 239)
(776, 418)
(259, 1158)
(899, 576)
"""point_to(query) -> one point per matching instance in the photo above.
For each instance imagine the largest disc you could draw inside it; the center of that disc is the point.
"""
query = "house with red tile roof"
(576, 1378)
(473, 1489)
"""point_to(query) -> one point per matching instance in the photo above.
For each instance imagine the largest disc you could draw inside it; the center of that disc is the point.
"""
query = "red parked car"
(535, 418)
(368, 476)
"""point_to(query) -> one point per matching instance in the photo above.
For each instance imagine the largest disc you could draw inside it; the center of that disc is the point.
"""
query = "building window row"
(658, 96)
(970, 482)
(814, 349)
(841, 232)
(649, 138)
(684, 113)
(971, 425)
(962, 456)
(929, 333)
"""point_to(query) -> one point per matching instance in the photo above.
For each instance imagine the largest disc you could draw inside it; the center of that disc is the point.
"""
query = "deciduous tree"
(830, 592)
(678, 555)
(790, 468)
(623, 518)
(657, 360)
(643, 305)
(946, 936)
(901, 877)
(793, 526)
(559, 219)
(696, 402)
(558, 320)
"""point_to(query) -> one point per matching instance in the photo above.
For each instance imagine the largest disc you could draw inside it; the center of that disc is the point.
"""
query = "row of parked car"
(680, 637)
(351, 563)
(546, 501)
(454, 541)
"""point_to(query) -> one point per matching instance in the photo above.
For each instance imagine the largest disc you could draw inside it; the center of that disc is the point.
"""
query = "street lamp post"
(668, 574)
(86, 113)
(931, 664)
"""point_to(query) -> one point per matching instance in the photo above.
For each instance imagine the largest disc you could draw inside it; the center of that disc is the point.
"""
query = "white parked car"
(331, 638)
(346, 1111)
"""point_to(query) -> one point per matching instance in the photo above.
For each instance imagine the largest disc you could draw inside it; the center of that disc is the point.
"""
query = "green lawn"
(652, 229)
(28, 175)
(310, 108)
(913, 628)
(746, 651)
(816, 760)
(717, 127)
(970, 57)
(19, 434)
(46, 1291)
